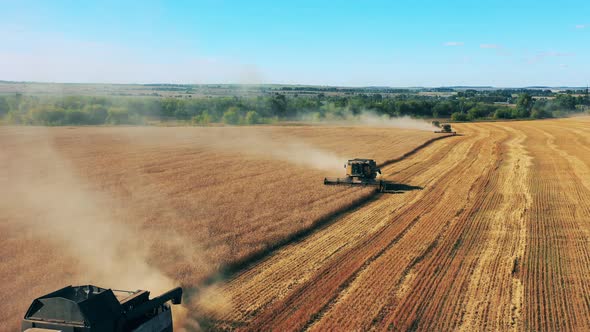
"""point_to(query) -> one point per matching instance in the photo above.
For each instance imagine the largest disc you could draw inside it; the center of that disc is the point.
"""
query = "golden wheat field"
(497, 238)
(155, 207)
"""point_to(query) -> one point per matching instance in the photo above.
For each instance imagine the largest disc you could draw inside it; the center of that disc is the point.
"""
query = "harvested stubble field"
(497, 239)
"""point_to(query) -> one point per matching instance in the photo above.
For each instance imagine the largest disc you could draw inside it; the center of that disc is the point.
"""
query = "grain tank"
(89, 308)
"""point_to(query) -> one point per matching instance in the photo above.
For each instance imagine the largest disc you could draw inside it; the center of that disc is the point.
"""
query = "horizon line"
(304, 85)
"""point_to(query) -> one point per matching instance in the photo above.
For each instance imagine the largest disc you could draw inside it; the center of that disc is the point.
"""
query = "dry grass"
(152, 207)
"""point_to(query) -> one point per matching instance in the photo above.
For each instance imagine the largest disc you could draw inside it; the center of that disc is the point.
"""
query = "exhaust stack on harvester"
(359, 172)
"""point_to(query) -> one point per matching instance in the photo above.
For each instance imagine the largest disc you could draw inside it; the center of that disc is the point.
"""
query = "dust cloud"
(259, 142)
(292, 151)
(372, 119)
(300, 153)
(43, 194)
(403, 122)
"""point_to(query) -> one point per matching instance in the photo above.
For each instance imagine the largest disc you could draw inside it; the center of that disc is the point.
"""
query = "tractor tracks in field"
(444, 259)
(495, 293)
(287, 272)
(311, 299)
(378, 280)
(489, 244)
(497, 240)
(556, 265)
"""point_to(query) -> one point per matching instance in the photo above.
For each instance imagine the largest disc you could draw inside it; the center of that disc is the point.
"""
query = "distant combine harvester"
(445, 128)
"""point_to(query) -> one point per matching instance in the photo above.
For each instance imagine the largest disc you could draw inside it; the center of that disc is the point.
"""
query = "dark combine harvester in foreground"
(92, 309)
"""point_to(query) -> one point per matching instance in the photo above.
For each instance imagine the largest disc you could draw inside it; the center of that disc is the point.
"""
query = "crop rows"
(497, 239)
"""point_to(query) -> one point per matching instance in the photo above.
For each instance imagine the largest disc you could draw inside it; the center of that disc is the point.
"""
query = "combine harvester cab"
(359, 172)
(92, 309)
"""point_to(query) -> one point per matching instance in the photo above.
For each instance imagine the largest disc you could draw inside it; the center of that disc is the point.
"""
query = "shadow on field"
(414, 150)
(250, 260)
(398, 188)
(233, 268)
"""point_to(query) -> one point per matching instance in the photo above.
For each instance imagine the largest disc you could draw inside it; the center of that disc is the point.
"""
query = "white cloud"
(581, 26)
(454, 44)
(563, 65)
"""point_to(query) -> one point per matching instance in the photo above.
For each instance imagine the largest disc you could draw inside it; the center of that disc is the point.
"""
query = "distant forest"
(284, 105)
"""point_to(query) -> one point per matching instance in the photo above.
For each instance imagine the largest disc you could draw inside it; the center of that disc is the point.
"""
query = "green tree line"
(92, 110)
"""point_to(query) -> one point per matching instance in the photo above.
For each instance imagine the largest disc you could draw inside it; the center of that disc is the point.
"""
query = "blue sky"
(348, 43)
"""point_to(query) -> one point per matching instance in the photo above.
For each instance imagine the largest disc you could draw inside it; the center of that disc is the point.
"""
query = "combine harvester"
(360, 172)
(93, 309)
(445, 128)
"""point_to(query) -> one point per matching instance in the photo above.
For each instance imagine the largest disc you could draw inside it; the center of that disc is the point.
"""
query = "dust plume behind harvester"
(359, 172)
(445, 128)
(90, 308)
